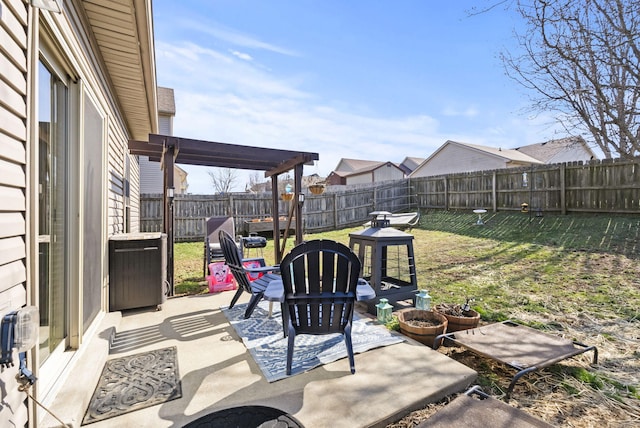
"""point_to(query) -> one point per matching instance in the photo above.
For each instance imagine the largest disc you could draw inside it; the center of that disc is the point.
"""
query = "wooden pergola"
(170, 150)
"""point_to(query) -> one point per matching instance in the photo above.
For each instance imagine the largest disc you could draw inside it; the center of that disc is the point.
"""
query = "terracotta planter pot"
(424, 335)
(469, 320)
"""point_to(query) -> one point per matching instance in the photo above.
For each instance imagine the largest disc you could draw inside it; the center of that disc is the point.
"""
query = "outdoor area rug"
(263, 337)
(135, 382)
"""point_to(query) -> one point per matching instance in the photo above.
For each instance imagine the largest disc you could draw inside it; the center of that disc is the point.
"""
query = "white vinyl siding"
(454, 158)
(13, 183)
(387, 172)
(151, 177)
(384, 172)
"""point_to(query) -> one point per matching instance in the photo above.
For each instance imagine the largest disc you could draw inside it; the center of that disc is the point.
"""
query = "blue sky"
(377, 80)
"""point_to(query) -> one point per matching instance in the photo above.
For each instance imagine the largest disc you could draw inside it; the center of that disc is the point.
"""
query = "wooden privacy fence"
(339, 207)
(608, 186)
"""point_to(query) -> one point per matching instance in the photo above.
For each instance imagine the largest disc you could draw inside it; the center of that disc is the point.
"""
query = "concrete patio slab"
(218, 372)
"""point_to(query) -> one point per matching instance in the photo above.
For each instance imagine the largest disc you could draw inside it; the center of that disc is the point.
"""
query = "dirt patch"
(423, 323)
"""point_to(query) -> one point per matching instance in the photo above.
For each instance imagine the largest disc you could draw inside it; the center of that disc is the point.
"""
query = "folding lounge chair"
(475, 408)
(522, 348)
(212, 248)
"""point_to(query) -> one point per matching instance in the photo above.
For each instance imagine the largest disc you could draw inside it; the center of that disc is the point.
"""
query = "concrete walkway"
(218, 372)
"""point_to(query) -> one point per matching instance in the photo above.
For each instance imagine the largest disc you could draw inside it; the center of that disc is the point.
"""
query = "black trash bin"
(137, 270)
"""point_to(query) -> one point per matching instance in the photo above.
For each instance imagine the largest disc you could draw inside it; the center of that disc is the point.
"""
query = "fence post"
(446, 194)
(335, 210)
(494, 193)
(375, 197)
(563, 189)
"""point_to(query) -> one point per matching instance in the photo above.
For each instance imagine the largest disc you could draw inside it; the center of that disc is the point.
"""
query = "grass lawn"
(575, 275)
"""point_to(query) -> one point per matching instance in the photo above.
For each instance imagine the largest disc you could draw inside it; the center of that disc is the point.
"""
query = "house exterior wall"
(24, 32)
(384, 172)
(151, 176)
(572, 153)
(13, 184)
(387, 172)
(454, 158)
(363, 178)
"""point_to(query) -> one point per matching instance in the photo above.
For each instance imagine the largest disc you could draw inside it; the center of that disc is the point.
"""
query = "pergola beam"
(170, 150)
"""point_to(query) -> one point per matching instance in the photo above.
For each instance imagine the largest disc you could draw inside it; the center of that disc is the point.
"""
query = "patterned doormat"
(135, 382)
(264, 338)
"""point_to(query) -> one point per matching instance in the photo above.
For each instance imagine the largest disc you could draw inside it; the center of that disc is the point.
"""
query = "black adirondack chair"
(233, 259)
(320, 279)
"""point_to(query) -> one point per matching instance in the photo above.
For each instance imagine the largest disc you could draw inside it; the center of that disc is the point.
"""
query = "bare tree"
(581, 59)
(254, 181)
(223, 179)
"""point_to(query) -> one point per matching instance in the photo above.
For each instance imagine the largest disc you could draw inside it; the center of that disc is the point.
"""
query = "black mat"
(135, 382)
(246, 417)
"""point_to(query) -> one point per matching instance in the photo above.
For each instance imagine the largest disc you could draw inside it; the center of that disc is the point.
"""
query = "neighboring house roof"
(560, 150)
(410, 163)
(373, 167)
(127, 48)
(340, 173)
(352, 165)
(166, 101)
(347, 167)
(482, 157)
(507, 154)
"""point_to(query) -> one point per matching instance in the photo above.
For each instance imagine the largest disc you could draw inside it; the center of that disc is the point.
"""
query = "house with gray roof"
(360, 171)
(454, 157)
(569, 149)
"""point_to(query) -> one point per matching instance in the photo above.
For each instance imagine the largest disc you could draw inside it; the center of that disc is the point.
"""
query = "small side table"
(480, 212)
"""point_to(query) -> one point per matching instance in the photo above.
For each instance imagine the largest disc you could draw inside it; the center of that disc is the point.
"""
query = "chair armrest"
(263, 268)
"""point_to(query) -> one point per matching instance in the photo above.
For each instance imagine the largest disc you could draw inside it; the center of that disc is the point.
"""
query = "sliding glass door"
(53, 224)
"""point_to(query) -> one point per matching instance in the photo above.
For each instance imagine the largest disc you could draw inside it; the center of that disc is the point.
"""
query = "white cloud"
(242, 55)
(471, 111)
(236, 38)
(207, 71)
(221, 96)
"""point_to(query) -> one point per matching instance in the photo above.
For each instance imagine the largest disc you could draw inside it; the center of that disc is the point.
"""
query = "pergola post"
(298, 201)
(168, 195)
(276, 219)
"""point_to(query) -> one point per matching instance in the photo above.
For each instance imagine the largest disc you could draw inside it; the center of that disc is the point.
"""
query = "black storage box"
(137, 270)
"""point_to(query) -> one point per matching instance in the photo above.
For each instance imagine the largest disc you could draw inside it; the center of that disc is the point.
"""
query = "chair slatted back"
(216, 224)
(320, 279)
(233, 259)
